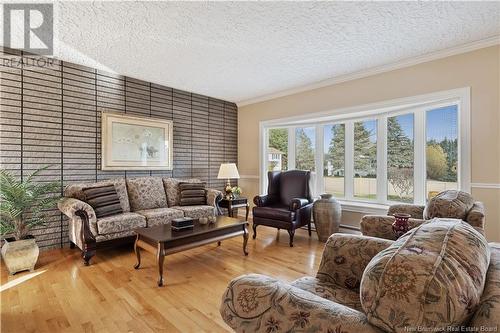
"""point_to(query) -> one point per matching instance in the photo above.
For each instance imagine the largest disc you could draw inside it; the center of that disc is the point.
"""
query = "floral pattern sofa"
(425, 281)
(145, 202)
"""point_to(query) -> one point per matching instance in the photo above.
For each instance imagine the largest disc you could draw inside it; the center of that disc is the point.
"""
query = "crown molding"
(464, 48)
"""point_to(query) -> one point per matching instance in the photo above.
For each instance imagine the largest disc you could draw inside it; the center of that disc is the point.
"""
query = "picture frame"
(135, 143)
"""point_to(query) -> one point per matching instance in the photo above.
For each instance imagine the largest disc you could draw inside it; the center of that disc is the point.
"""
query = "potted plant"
(23, 205)
(236, 191)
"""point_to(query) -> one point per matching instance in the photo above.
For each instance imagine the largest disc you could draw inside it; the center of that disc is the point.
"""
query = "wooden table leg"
(160, 255)
(245, 240)
(248, 209)
(137, 253)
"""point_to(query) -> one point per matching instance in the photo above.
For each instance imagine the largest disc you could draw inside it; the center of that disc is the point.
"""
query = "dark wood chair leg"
(309, 228)
(254, 227)
(291, 233)
(87, 255)
(71, 245)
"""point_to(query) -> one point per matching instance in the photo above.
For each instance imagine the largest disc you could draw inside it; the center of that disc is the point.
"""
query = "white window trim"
(349, 115)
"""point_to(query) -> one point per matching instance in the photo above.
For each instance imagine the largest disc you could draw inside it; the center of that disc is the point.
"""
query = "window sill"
(364, 207)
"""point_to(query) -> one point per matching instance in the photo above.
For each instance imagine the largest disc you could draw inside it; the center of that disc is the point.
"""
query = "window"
(365, 159)
(304, 148)
(400, 158)
(441, 149)
(403, 152)
(277, 151)
(334, 161)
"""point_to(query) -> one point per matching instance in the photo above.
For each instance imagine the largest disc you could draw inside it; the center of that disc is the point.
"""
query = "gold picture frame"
(135, 143)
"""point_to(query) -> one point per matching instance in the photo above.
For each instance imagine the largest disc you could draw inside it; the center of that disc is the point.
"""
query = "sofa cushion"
(196, 212)
(75, 191)
(120, 222)
(449, 204)
(329, 291)
(192, 194)
(281, 213)
(172, 189)
(146, 193)
(432, 278)
(104, 200)
(157, 216)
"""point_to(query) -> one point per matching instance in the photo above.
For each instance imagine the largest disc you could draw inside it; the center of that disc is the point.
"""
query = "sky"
(440, 123)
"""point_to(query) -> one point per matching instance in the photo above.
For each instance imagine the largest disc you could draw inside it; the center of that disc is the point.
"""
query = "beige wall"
(479, 70)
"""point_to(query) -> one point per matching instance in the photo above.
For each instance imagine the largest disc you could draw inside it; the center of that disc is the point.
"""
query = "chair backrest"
(287, 185)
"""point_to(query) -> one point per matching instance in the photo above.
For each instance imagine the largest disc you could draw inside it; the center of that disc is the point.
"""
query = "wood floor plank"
(63, 295)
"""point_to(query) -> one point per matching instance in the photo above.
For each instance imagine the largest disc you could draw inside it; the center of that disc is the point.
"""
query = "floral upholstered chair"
(447, 204)
(425, 280)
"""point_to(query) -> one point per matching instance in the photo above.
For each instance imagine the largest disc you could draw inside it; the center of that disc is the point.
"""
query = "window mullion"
(291, 148)
(420, 173)
(319, 160)
(349, 160)
(382, 159)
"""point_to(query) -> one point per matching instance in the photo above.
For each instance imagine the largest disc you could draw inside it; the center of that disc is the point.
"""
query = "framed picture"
(135, 143)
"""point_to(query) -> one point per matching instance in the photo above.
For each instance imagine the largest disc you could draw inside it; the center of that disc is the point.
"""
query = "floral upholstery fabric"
(75, 191)
(172, 189)
(213, 196)
(121, 234)
(449, 204)
(430, 278)
(68, 206)
(146, 193)
(257, 303)
(475, 217)
(159, 216)
(196, 212)
(415, 211)
(345, 257)
(329, 291)
(381, 226)
(120, 222)
(488, 312)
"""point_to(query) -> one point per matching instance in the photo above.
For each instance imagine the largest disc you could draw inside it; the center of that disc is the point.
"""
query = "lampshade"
(228, 171)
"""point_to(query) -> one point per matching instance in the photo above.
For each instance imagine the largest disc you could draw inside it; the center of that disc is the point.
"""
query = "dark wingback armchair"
(288, 203)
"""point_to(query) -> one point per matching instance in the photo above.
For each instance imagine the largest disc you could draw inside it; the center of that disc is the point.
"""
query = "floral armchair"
(447, 204)
(332, 301)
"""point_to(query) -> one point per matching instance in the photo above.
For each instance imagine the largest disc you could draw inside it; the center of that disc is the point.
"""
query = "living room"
(250, 166)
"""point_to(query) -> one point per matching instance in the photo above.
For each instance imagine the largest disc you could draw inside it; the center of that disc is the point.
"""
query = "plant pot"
(20, 255)
(327, 214)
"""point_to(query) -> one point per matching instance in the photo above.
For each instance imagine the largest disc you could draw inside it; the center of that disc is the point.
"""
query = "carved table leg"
(245, 240)
(160, 255)
(254, 227)
(218, 243)
(248, 209)
(137, 253)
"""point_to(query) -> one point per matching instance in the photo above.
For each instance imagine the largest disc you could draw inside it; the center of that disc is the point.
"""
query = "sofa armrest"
(345, 258)
(263, 200)
(475, 216)
(257, 303)
(78, 211)
(415, 211)
(381, 226)
(297, 203)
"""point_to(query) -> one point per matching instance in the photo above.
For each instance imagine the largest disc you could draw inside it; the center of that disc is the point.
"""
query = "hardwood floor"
(63, 295)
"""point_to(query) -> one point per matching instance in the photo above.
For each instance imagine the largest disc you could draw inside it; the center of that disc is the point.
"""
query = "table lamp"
(228, 171)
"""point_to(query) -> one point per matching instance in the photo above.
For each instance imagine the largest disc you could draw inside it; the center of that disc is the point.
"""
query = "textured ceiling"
(240, 50)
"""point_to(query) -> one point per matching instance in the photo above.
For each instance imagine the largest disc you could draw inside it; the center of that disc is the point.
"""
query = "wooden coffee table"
(161, 240)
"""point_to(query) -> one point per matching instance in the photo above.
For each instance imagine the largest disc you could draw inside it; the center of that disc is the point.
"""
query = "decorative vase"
(327, 214)
(400, 225)
(20, 255)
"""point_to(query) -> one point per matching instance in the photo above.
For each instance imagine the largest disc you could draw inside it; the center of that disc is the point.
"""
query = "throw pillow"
(431, 278)
(104, 200)
(192, 194)
(449, 204)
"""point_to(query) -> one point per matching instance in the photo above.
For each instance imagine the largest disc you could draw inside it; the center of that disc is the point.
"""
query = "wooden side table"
(231, 204)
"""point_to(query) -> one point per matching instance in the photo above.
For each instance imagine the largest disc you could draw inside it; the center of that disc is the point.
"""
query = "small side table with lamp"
(229, 171)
